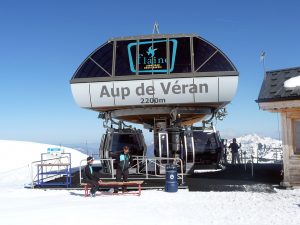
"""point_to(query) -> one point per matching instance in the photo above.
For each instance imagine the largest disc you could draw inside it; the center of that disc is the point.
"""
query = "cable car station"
(167, 83)
(164, 82)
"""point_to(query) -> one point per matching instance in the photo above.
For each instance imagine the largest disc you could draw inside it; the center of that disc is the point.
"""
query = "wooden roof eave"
(280, 106)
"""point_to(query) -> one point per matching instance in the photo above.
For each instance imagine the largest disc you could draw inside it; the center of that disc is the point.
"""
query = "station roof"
(273, 89)
(179, 55)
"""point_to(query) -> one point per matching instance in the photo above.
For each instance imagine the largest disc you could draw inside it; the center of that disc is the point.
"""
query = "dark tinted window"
(202, 51)
(125, 58)
(103, 57)
(217, 63)
(204, 141)
(160, 58)
(92, 66)
(153, 57)
(182, 56)
(145, 59)
(90, 69)
(121, 140)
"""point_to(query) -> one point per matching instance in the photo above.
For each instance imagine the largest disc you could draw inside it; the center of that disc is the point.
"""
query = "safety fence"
(255, 156)
(151, 168)
(246, 155)
(50, 168)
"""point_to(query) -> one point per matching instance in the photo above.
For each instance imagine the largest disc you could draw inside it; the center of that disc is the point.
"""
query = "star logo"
(151, 51)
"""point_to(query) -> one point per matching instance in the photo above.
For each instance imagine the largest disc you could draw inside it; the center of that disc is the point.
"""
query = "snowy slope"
(252, 141)
(16, 158)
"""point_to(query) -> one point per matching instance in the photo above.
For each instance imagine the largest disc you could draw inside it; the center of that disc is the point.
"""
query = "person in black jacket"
(123, 164)
(90, 176)
(235, 151)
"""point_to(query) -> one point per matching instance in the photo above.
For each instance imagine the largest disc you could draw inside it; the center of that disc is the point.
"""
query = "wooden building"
(278, 95)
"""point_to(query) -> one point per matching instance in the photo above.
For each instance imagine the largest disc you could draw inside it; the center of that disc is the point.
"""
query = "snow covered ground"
(20, 206)
(16, 158)
(36, 207)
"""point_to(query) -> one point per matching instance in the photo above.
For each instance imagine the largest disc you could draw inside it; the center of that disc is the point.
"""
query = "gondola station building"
(280, 92)
(165, 82)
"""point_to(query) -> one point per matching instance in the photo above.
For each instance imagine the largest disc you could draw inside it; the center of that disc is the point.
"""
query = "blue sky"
(43, 43)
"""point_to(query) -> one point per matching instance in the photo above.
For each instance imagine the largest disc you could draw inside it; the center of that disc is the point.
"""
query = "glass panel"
(145, 59)
(217, 63)
(156, 145)
(189, 146)
(297, 137)
(205, 146)
(202, 51)
(160, 57)
(125, 58)
(152, 57)
(204, 141)
(163, 145)
(182, 55)
(104, 57)
(121, 140)
(90, 69)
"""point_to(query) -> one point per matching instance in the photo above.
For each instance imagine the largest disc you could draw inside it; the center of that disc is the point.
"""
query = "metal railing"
(247, 154)
(246, 158)
(141, 166)
(158, 162)
(51, 161)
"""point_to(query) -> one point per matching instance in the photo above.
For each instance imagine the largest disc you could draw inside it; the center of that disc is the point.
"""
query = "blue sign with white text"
(53, 150)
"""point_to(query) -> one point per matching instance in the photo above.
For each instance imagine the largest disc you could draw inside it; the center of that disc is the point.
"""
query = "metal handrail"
(140, 159)
(276, 158)
(41, 161)
(157, 160)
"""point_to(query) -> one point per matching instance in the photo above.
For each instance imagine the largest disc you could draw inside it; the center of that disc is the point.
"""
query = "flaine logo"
(152, 56)
(151, 51)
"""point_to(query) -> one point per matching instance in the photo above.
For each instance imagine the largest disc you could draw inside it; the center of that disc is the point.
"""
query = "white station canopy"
(97, 95)
(155, 71)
